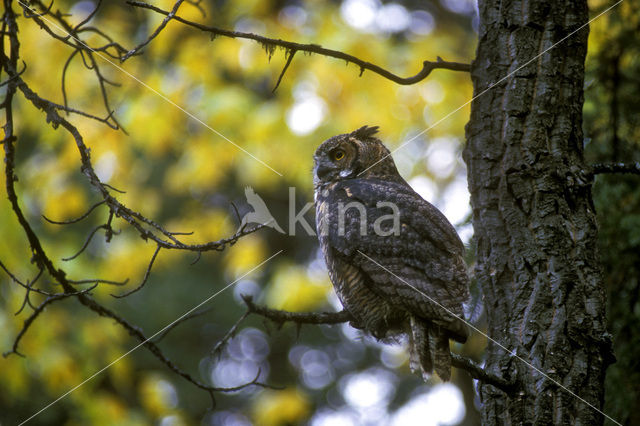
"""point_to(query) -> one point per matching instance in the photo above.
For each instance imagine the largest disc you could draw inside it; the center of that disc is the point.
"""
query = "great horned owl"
(386, 248)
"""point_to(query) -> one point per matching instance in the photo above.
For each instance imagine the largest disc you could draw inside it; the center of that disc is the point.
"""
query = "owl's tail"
(442, 356)
(422, 347)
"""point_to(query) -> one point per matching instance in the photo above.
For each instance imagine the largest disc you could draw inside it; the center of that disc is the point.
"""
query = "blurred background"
(187, 177)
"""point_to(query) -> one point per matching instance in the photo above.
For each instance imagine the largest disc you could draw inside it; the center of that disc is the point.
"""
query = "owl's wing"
(420, 266)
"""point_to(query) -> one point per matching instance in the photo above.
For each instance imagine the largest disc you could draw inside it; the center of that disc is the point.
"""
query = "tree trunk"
(534, 220)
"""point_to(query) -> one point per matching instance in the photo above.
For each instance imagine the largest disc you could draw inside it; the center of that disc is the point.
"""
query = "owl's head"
(350, 155)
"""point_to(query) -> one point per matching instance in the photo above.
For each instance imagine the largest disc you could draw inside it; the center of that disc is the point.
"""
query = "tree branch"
(135, 219)
(600, 168)
(281, 317)
(57, 19)
(292, 47)
(481, 374)
(156, 351)
(14, 84)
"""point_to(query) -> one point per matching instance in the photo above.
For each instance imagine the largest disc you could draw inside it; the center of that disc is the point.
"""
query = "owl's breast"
(324, 211)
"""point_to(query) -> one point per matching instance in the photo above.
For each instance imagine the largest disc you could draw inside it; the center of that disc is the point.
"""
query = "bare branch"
(134, 218)
(98, 281)
(138, 221)
(600, 168)
(427, 66)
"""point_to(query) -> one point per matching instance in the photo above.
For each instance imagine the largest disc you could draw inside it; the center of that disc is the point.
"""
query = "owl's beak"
(322, 170)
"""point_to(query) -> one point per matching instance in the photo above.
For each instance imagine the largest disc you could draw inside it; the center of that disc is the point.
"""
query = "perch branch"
(281, 317)
(481, 374)
(457, 360)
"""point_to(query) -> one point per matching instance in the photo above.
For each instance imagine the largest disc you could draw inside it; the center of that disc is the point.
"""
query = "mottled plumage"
(374, 262)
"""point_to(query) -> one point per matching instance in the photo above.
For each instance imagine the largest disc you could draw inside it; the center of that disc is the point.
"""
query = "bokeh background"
(186, 177)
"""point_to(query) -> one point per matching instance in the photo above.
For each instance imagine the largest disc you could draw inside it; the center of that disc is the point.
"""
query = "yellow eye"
(338, 155)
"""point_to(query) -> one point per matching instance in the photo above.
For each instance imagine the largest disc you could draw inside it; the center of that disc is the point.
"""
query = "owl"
(395, 261)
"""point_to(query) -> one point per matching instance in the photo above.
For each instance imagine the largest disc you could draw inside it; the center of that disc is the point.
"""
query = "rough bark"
(533, 214)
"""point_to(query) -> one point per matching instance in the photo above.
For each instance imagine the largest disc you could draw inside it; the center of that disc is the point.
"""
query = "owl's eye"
(338, 154)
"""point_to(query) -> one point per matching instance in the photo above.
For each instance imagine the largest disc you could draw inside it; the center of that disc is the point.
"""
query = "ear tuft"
(365, 132)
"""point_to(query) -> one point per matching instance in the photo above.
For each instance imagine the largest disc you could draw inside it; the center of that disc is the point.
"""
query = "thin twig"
(284, 69)
(163, 24)
(230, 334)
(144, 279)
(86, 243)
(68, 222)
(29, 288)
(89, 17)
(180, 321)
(13, 277)
(24, 68)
